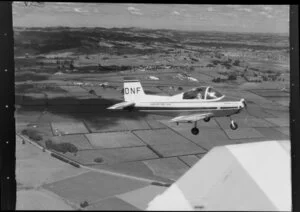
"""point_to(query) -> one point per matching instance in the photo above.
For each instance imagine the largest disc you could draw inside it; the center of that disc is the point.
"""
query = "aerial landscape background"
(70, 62)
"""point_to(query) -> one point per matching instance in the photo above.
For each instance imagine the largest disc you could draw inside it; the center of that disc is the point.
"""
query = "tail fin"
(133, 91)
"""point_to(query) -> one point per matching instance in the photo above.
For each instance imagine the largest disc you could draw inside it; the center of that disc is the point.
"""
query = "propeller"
(244, 103)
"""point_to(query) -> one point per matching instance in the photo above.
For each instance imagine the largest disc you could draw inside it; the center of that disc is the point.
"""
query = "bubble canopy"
(204, 93)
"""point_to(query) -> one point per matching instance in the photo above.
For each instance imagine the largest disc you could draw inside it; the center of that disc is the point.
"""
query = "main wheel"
(233, 125)
(206, 119)
(195, 131)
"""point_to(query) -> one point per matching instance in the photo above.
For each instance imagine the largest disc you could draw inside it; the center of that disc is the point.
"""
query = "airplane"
(200, 103)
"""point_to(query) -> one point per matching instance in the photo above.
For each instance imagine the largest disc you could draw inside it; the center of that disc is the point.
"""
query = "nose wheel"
(233, 125)
(195, 130)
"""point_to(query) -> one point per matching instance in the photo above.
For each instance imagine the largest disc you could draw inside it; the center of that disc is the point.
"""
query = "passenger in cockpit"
(197, 93)
(199, 96)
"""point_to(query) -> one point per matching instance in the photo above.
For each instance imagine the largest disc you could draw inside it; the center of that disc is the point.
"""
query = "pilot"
(199, 96)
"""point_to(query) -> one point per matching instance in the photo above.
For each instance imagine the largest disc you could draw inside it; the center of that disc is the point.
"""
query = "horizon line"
(144, 28)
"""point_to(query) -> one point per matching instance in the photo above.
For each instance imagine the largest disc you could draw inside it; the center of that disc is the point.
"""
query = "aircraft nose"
(229, 99)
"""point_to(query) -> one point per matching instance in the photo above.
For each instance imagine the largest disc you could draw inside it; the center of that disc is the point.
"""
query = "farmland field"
(67, 77)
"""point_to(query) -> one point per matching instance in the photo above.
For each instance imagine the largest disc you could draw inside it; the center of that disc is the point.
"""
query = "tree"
(209, 65)
(236, 63)
(218, 79)
(232, 77)
(32, 134)
(215, 62)
(84, 204)
(48, 144)
(92, 92)
(72, 65)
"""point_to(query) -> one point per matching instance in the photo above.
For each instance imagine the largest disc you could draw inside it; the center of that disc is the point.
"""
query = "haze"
(230, 18)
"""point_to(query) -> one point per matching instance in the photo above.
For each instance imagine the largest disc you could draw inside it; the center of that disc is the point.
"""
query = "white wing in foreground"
(191, 118)
(121, 105)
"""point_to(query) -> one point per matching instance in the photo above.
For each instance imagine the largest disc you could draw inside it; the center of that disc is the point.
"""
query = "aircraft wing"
(191, 118)
(121, 105)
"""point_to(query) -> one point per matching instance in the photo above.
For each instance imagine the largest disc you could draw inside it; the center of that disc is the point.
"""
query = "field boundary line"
(90, 168)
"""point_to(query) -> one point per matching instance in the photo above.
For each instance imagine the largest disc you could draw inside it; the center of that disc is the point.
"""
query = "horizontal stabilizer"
(121, 105)
(191, 118)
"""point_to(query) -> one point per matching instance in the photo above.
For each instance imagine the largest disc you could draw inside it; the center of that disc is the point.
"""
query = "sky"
(194, 17)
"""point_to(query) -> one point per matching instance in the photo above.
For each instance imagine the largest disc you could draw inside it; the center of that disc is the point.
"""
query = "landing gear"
(195, 130)
(206, 119)
(233, 125)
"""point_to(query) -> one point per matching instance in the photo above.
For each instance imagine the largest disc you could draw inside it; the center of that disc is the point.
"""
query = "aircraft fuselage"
(218, 108)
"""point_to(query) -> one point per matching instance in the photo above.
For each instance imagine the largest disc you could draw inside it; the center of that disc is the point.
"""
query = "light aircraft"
(201, 103)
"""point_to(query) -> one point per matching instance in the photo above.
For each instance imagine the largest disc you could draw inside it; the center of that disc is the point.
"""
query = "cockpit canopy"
(204, 93)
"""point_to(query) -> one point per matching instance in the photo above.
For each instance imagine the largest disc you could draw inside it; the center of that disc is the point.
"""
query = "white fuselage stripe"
(187, 104)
